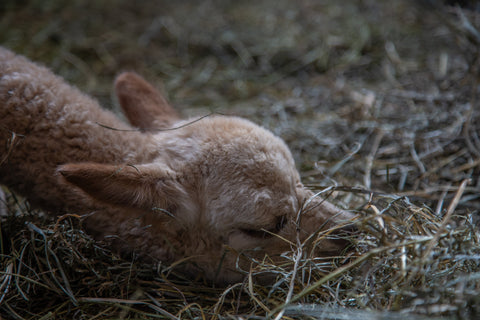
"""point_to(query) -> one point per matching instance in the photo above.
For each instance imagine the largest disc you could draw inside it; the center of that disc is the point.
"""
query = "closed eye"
(265, 233)
(261, 234)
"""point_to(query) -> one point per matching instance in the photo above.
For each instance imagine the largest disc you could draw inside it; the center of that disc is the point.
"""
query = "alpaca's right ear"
(143, 105)
(143, 186)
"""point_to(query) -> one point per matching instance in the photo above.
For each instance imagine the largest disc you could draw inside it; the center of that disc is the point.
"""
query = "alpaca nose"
(347, 230)
(336, 241)
(344, 235)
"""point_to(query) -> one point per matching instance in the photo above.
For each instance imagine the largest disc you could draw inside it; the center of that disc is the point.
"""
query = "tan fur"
(205, 190)
(133, 91)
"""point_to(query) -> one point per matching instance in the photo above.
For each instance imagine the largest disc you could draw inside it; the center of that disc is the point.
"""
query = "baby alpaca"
(214, 191)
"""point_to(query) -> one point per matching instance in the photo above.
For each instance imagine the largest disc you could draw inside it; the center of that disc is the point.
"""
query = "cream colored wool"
(173, 189)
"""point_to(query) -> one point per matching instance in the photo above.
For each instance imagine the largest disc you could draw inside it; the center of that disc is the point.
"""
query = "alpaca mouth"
(336, 242)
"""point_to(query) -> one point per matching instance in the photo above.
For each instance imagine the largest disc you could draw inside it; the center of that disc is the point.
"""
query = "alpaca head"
(223, 191)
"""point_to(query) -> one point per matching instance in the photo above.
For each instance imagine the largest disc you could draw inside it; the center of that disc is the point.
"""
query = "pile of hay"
(406, 258)
(379, 103)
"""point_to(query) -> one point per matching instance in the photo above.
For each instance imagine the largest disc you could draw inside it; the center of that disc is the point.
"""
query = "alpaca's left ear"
(143, 105)
(143, 186)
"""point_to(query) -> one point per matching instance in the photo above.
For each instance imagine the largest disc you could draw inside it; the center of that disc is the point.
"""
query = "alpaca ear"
(143, 186)
(143, 105)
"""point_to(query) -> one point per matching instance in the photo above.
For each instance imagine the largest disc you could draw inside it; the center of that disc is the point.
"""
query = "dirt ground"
(380, 96)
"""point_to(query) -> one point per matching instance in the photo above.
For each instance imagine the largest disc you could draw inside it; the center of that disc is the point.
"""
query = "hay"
(381, 113)
(405, 258)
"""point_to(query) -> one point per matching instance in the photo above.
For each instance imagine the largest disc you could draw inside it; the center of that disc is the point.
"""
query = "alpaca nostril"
(344, 234)
(347, 230)
(340, 239)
